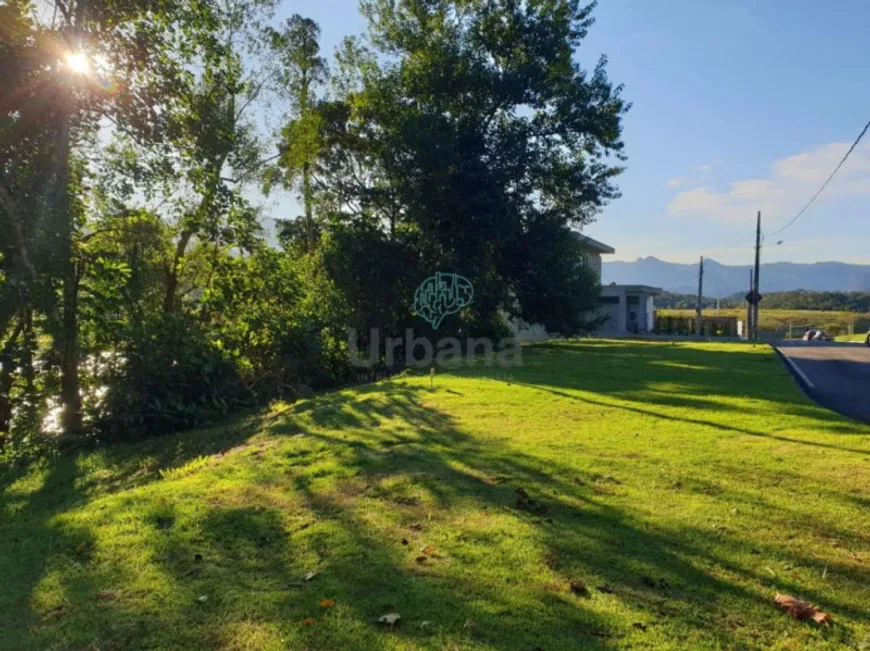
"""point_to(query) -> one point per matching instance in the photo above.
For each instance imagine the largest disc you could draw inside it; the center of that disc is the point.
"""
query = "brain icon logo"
(441, 295)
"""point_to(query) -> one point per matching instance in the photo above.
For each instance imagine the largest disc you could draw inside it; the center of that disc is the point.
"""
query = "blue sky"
(737, 106)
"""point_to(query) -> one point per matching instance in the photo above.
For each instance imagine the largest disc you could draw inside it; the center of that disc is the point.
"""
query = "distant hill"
(721, 281)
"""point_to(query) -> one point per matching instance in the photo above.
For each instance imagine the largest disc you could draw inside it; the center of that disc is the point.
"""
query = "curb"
(798, 375)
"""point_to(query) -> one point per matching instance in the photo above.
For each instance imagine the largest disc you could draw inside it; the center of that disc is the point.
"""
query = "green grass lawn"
(684, 485)
(859, 337)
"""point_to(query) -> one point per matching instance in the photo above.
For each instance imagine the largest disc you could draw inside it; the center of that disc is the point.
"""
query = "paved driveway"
(837, 376)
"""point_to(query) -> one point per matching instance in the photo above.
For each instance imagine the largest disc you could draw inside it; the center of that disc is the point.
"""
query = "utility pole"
(748, 328)
(756, 295)
(699, 306)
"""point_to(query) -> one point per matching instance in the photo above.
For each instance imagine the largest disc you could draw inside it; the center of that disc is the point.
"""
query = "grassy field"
(856, 337)
(678, 486)
(775, 323)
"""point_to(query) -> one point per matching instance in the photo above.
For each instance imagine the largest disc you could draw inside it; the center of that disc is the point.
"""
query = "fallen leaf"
(653, 583)
(309, 576)
(389, 619)
(425, 624)
(308, 621)
(469, 624)
(57, 612)
(578, 587)
(107, 595)
(326, 603)
(526, 503)
(202, 599)
(429, 550)
(801, 610)
(80, 548)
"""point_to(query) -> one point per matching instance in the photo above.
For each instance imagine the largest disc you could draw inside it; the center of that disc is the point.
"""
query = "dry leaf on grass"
(526, 503)
(579, 588)
(429, 550)
(309, 576)
(308, 621)
(390, 619)
(56, 612)
(326, 603)
(802, 610)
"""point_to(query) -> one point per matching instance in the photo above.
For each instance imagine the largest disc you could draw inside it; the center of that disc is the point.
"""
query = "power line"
(825, 184)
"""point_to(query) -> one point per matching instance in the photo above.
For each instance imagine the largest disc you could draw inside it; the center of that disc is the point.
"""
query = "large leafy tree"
(52, 103)
(491, 138)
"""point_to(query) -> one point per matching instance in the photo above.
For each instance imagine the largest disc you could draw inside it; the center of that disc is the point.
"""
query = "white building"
(629, 309)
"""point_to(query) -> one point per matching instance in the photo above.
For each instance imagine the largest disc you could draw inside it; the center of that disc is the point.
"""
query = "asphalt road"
(837, 376)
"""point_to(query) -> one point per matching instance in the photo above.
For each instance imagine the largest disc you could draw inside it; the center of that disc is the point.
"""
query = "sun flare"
(78, 62)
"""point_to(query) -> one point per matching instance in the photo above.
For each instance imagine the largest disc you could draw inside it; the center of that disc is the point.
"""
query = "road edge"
(798, 376)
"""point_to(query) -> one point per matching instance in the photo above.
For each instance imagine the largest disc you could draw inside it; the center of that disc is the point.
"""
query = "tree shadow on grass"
(347, 479)
(582, 535)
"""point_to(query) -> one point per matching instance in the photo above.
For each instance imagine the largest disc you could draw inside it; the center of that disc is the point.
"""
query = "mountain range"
(722, 280)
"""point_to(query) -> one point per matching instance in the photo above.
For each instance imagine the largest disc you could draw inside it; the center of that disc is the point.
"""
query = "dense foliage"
(139, 292)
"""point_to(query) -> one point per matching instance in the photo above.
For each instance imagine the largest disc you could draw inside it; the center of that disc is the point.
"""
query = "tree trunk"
(6, 364)
(68, 349)
(70, 395)
(306, 191)
(27, 352)
(170, 304)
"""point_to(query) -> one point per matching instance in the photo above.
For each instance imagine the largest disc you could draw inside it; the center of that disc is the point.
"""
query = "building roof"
(613, 288)
(595, 245)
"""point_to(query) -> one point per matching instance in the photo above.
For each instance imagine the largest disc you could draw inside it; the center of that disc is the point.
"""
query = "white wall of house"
(628, 308)
(592, 259)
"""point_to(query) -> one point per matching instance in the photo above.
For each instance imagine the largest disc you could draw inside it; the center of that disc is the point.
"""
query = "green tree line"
(799, 299)
(139, 292)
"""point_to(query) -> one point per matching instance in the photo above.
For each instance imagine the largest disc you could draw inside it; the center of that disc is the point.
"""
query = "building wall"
(612, 305)
(650, 313)
(592, 259)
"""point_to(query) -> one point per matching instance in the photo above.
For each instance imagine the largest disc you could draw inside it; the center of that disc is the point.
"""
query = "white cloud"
(791, 182)
(697, 176)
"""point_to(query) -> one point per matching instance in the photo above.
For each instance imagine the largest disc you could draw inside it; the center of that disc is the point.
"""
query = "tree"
(488, 131)
(304, 70)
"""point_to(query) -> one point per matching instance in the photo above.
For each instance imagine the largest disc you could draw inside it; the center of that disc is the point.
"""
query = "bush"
(172, 377)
